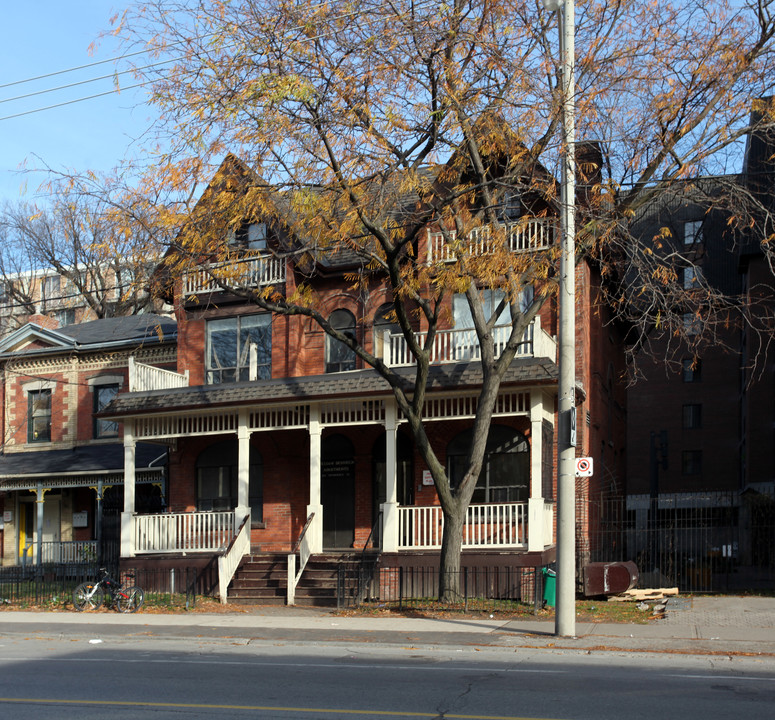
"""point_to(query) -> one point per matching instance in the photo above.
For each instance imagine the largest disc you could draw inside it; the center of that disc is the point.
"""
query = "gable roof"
(128, 331)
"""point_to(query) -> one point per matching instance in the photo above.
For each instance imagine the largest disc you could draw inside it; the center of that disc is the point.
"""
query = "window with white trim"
(39, 416)
(230, 342)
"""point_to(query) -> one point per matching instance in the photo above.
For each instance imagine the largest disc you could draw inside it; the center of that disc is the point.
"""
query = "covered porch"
(525, 525)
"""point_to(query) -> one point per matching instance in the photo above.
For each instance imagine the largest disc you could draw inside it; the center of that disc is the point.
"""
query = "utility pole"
(565, 611)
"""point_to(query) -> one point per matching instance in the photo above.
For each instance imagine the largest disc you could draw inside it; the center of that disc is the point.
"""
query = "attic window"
(251, 236)
(512, 204)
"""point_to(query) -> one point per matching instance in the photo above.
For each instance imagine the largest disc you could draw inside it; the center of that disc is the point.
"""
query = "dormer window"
(512, 204)
(251, 236)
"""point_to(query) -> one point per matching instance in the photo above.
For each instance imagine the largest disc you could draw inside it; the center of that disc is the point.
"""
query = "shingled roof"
(335, 385)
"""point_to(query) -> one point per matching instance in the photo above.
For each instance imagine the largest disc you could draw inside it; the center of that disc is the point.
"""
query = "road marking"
(261, 708)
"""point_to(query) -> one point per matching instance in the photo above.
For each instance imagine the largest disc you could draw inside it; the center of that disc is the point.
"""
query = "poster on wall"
(80, 519)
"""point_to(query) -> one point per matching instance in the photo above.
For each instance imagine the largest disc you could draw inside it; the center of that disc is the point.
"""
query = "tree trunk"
(451, 548)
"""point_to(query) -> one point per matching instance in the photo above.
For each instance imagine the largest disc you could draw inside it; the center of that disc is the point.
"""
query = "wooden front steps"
(262, 579)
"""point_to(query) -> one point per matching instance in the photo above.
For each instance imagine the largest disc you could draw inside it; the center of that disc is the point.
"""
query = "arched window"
(384, 324)
(339, 357)
(505, 475)
(216, 479)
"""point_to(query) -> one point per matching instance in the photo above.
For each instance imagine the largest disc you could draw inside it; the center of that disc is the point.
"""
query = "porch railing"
(184, 532)
(491, 525)
(526, 236)
(304, 548)
(463, 345)
(74, 551)
(256, 271)
(144, 377)
(230, 560)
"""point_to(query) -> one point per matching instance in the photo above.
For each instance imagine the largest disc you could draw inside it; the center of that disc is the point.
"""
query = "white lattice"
(185, 425)
(352, 412)
(279, 418)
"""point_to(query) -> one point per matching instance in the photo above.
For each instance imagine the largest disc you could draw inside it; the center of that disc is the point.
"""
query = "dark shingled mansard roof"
(347, 384)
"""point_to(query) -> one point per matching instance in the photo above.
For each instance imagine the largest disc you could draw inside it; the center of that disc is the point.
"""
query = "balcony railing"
(526, 236)
(492, 525)
(143, 377)
(184, 532)
(450, 346)
(251, 272)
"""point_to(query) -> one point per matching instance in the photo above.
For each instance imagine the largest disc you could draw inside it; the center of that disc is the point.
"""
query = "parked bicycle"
(90, 595)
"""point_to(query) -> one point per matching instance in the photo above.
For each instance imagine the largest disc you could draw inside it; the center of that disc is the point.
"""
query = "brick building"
(61, 467)
(268, 414)
(701, 456)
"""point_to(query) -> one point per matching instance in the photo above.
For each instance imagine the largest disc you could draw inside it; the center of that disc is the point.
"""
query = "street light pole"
(565, 611)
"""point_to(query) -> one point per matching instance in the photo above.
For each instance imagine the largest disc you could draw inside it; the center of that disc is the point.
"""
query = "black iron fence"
(484, 588)
(719, 542)
(52, 585)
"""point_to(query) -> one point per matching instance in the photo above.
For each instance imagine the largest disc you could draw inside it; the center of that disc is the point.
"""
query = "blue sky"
(44, 36)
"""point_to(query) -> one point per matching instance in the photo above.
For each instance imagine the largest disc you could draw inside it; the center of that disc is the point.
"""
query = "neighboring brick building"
(275, 417)
(61, 467)
(701, 451)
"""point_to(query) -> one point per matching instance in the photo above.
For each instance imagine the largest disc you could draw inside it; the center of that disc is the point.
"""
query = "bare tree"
(100, 262)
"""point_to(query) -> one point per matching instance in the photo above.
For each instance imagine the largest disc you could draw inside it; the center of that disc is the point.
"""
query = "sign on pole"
(584, 467)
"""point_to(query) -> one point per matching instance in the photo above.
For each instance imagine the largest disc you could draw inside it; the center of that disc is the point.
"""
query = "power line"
(86, 82)
(71, 102)
(350, 14)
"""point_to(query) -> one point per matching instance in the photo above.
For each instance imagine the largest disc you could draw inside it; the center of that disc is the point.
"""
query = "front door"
(337, 493)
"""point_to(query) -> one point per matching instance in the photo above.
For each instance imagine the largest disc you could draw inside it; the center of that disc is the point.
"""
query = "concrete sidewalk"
(704, 625)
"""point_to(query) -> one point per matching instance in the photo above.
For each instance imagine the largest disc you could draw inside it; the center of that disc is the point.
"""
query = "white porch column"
(535, 505)
(315, 459)
(243, 468)
(127, 517)
(390, 506)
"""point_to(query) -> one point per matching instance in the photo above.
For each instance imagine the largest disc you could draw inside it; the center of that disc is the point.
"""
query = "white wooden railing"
(527, 236)
(73, 551)
(144, 377)
(230, 560)
(548, 523)
(184, 532)
(304, 547)
(463, 345)
(255, 271)
(491, 525)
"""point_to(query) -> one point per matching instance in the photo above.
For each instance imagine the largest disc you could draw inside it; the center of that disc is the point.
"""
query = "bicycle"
(90, 595)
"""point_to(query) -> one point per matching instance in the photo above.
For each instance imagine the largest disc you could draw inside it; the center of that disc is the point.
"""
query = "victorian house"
(284, 446)
(61, 466)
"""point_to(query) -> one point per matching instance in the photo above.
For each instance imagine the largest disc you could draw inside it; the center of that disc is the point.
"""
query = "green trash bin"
(550, 587)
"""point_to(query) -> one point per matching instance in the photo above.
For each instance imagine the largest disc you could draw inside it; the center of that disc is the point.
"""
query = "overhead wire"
(349, 14)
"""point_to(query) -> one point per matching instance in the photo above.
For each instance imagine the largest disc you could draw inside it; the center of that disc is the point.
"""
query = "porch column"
(40, 499)
(315, 530)
(243, 468)
(390, 506)
(127, 517)
(535, 505)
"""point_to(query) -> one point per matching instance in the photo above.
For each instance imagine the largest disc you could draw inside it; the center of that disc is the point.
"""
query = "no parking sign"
(584, 467)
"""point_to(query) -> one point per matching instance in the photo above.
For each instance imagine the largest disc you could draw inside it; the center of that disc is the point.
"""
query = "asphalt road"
(192, 679)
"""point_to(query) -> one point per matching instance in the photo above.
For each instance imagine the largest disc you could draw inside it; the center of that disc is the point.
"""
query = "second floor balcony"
(254, 271)
(454, 346)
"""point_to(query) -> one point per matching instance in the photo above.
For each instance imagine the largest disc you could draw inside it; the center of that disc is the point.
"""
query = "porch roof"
(88, 462)
(527, 371)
